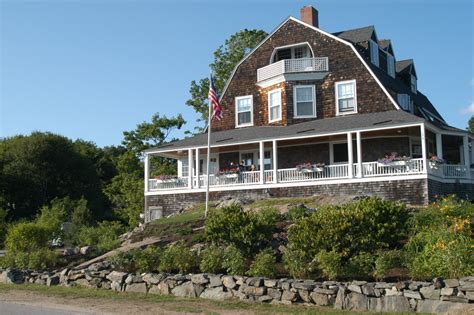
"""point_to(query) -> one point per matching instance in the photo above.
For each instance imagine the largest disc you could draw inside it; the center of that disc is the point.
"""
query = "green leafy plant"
(263, 264)
(297, 263)
(147, 260)
(124, 261)
(360, 265)
(104, 236)
(178, 258)
(212, 259)
(387, 260)
(234, 261)
(330, 263)
(297, 212)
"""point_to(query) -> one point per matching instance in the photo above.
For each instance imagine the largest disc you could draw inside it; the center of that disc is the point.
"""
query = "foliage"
(263, 265)
(226, 57)
(27, 245)
(387, 260)
(104, 236)
(234, 261)
(3, 226)
(146, 260)
(470, 124)
(246, 230)
(212, 259)
(43, 166)
(124, 261)
(360, 265)
(330, 263)
(296, 263)
(178, 258)
(297, 212)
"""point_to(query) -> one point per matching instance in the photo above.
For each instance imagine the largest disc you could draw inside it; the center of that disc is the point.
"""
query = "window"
(267, 160)
(300, 52)
(274, 105)
(247, 158)
(296, 51)
(404, 101)
(413, 84)
(390, 65)
(339, 153)
(304, 101)
(243, 113)
(374, 53)
(184, 168)
(346, 98)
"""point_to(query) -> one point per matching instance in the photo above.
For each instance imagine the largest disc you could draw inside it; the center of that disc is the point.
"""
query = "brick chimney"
(309, 15)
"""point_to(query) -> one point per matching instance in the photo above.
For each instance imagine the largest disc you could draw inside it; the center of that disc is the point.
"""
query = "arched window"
(295, 51)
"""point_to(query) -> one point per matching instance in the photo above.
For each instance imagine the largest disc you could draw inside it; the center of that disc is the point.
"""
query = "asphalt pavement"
(7, 308)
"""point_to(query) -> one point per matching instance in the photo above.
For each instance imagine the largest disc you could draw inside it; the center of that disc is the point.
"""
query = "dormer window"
(374, 53)
(296, 51)
(390, 65)
(413, 84)
(405, 102)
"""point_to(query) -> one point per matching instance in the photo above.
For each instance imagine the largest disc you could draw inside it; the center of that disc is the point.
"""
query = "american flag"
(214, 101)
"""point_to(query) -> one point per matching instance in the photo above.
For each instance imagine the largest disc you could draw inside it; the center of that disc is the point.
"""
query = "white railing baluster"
(293, 65)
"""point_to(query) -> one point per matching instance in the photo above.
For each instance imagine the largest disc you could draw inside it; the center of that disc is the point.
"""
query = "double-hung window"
(274, 105)
(243, 111)
(374, 53)
(404, 101)
(390, 65)
(304, 101)
(346, 97)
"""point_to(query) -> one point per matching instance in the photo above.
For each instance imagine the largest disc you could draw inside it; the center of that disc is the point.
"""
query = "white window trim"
(295, 107)
(331, 152)
(374, 52)
(237, 112)
(269, 105)
(292, 46)
(337, 98)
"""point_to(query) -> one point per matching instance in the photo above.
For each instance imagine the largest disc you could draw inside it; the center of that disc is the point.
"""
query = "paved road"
(7, 308)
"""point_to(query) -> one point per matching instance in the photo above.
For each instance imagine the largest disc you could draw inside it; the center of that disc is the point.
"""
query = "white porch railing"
(293, 66)
(372, 169)
(448, 170)
(330, 171)
(171, 183)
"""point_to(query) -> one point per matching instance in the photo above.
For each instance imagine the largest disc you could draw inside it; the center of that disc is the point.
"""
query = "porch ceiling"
(310, 128)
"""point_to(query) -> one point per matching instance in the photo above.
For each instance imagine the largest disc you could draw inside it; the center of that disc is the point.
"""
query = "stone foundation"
(462, 190)
(452, 295)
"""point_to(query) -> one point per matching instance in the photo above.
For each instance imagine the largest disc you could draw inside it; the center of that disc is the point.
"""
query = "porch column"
(439, 145)
(465, 145)
(190, 168)
(147, 170)
(275, 161)
(197, 167)
(262, 163)
(359, 155)
(423, 146)
(350, 156)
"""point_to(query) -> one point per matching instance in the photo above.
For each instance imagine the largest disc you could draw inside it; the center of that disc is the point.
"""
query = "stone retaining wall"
(439, 295)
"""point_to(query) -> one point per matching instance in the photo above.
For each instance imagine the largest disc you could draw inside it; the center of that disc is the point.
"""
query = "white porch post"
(359, 155)
(465, 145)
(197, 167)
(350, 170)
(423, 146)
(439, 145)
(147, 171)
(275, 161)
(262, 163)
(190, 168)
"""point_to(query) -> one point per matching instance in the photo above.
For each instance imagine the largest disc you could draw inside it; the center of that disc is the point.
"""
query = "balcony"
(302, 65)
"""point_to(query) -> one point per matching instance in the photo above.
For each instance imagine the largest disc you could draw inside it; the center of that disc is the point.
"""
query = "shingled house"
(311, 112)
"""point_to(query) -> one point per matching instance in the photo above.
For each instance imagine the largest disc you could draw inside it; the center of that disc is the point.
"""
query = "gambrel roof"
(357, 35)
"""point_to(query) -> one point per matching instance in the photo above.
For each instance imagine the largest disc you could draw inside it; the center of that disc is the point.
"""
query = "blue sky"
(92, 69)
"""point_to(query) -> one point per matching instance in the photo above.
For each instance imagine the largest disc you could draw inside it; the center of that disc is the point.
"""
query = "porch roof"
(313, 127)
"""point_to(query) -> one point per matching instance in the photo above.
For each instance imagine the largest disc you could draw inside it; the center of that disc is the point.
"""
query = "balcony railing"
(293, 66)
(324, 173)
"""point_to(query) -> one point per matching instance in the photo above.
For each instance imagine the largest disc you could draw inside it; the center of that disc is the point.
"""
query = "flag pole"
(208, 154)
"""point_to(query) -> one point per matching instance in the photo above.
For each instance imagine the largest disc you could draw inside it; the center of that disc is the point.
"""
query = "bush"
(178, 258)
(263, 264)
(147, 260)
(329, 263)
(360, 265)
(297, 212)
(234, 261)
(212, 259)
(104, 236)
(387, 260)
(3, 226)
(296, 264)
(123, 261)
(248, 231)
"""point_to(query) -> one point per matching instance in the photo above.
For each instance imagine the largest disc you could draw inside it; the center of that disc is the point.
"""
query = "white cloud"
(469, 109)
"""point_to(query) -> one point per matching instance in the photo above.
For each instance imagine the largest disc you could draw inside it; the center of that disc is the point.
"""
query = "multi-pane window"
(391, 65)
(274, 105)
(404, 101)
(374, 53)
(247, 158)
(413, 84)
(346, 98)
(184, 168)
(304, 101)
(301, 52)
(243, 105)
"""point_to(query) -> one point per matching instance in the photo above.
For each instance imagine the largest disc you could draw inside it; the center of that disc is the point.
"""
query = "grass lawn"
(167, 302)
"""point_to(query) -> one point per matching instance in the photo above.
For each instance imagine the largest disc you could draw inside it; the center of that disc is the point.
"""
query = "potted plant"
(435, 162)
(310, 167)
(394, 159)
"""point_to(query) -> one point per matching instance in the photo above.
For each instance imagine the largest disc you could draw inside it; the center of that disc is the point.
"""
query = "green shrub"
(246, 230)
(329, 263)
(178, 258)
(104, 236)
(234, 261)
(263, 264)
(360, 265)
(387, 260)
(212, 259)
(3, 226)
(147, 260)
(297, 212)
(124, 261)
(297, 264)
